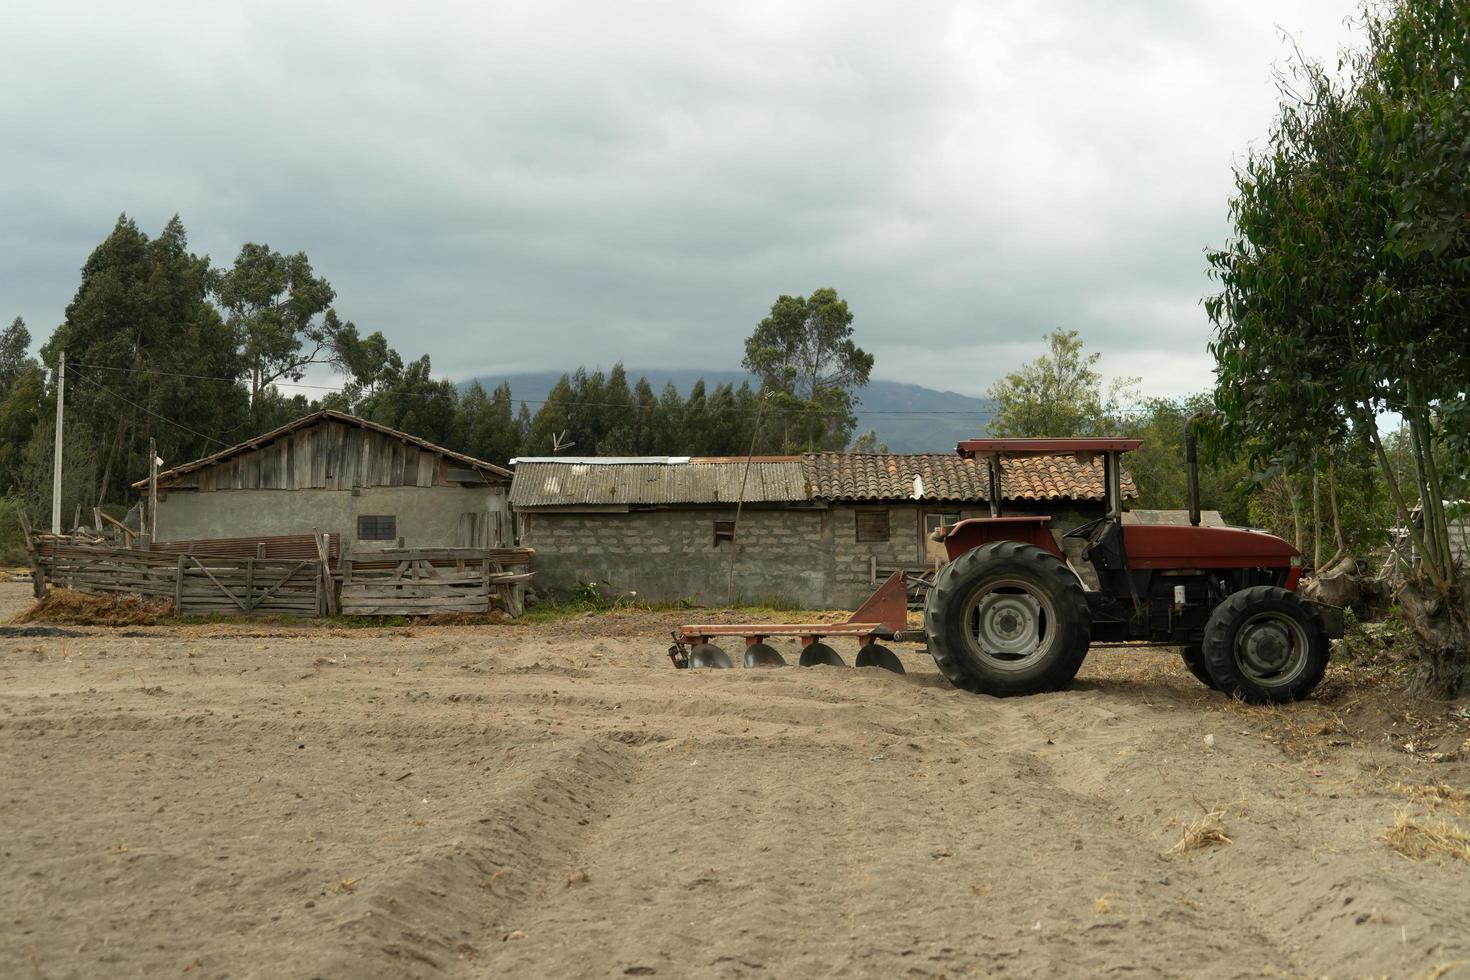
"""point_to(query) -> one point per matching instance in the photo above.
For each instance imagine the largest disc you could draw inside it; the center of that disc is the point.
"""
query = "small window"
(724, 531)
(933, 522)
(872, 525)
(377, 527)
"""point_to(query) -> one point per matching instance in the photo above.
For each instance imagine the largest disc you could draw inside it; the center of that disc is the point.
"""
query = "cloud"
(533, 185)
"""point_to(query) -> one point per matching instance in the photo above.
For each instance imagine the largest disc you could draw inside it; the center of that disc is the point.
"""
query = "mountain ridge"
(908, 418)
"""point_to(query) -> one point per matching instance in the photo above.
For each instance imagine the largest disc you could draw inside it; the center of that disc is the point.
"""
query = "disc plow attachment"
(883, 616)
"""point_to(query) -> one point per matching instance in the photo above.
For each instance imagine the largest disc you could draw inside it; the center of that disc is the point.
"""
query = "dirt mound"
(85, 609)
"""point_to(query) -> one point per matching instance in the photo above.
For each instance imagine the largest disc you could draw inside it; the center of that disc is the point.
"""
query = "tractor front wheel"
(1194, 659)
(1264, 645)
(1007, 618)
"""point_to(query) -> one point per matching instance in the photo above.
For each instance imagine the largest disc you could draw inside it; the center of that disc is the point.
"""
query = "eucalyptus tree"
(281, 313)
(810, 369)
(1345, 289)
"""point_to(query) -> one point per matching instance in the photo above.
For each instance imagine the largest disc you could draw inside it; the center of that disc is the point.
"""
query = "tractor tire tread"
(1044, 568)
(1218, 647)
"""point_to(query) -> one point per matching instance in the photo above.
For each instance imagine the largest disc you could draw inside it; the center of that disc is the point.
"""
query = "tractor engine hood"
(1178, 546)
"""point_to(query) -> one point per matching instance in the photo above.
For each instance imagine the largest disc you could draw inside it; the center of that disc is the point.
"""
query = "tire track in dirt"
(444, 906)
(719, 862)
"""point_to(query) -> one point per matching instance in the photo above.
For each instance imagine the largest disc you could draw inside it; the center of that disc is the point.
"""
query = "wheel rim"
(1009, 624)
(1271, 649)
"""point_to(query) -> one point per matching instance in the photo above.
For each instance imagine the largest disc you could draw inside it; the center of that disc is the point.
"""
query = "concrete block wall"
(428, 517)
(807, 556)
(668, 555)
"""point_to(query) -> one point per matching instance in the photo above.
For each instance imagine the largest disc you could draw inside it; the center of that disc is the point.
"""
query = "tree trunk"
(1338, 545)
(112, 451)
(1316, 520)
(1296, 515)
(1441, 625)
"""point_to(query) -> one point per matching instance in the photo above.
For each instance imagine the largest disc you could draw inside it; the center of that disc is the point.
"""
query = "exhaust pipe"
(1191, 467)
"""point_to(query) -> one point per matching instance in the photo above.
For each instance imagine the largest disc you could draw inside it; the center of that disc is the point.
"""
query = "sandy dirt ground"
(556, 800)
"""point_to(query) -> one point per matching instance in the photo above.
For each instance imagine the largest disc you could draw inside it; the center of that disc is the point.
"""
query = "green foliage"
(809, 367)
(144, 343)
(22, 392)
(1345, 291)
(1058, 394)
(12, 537)
(868, 443)
(272, 303)
(592, 596)
(1158, 469)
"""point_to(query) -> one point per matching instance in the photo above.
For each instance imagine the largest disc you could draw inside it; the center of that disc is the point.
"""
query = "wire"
(149, 411)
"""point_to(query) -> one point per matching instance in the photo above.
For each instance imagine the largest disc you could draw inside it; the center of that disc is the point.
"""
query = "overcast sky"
(534, 185)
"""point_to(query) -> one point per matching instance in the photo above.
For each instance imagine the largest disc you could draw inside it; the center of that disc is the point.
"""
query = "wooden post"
(179, 587)
(249, 586)
(152, 491)
(326, 586)
(56, 462)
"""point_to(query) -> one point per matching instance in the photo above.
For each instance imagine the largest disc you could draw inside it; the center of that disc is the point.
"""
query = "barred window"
(724, 531)
(872, 525)
(377, 527)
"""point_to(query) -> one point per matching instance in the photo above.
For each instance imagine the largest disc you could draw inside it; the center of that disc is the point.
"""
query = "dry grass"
(63, 606)
(1207, 830)
(1435, 795)
(1421, 838)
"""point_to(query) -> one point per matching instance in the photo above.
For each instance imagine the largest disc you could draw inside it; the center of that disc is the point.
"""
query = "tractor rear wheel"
(1194, 659)
(1264, 645)
(1007, 618)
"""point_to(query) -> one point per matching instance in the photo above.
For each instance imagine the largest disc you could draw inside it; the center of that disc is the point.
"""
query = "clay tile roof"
(946, 476)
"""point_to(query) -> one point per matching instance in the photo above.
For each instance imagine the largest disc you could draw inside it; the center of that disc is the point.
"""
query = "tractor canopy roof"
(971, 448)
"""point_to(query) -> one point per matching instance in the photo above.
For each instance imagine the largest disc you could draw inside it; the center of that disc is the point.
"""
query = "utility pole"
(56, 463)
(152, 491)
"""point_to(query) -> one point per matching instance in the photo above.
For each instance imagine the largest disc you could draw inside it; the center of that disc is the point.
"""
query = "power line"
(142, 408)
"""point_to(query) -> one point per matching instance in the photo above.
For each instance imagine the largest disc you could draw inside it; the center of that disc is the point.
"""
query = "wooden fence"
(419, 582)
(197, 585)
(400, 582)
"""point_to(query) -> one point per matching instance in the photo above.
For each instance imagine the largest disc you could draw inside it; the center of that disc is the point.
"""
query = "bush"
(12, 537)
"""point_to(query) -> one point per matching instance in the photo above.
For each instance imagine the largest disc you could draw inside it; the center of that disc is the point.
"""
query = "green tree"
(22, 389)
(486, 425)
(1059, 394)
(868, 443)
(1345, 294)
(280, 312)
(147, 355)
(551, 426)
(810, 368)
(1157, 467)
(620, 426)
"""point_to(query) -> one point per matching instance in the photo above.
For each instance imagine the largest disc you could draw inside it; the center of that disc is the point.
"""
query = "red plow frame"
(882, 616)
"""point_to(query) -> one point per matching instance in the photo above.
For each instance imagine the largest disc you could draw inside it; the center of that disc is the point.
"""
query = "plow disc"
(883, 616)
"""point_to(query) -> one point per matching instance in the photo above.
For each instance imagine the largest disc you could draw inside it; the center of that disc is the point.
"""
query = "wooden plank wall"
(400, 582)
(421, 582)
(327, 456)
(197, 585)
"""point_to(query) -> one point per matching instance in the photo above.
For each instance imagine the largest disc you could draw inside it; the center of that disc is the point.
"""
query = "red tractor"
(1009, 615)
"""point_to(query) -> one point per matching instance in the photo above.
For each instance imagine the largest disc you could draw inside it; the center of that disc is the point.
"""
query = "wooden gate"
(247, 586)
(420, 582)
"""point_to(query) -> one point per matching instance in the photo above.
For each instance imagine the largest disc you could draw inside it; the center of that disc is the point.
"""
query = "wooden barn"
(376, 487)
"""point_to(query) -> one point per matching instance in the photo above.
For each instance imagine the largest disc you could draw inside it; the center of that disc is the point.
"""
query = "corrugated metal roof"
(573, 483)
(815, 476)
